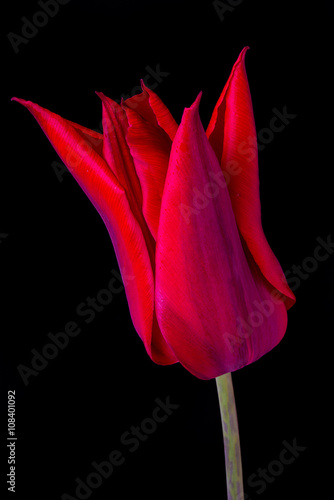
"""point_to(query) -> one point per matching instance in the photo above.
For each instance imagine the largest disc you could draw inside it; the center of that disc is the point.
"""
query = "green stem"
(229, 420)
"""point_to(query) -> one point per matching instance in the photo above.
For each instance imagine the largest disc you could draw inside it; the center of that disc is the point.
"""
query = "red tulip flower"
(182, 208)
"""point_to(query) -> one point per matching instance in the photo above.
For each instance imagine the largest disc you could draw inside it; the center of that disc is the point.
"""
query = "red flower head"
(182, 208)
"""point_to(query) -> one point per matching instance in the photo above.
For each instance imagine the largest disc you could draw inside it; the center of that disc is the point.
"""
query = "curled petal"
(162, 113)
(117, 155)
(232, 134)
(150, 107)
(77, 148)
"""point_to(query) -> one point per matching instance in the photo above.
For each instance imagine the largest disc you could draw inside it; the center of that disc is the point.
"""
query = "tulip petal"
(216, 312)
(117, 154)
(162, 113)
(149, 137)
(135, 255)
(150, 149)
(152, 109)
(232, 134)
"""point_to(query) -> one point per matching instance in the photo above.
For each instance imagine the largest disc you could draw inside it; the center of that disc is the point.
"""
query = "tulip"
(182, 208)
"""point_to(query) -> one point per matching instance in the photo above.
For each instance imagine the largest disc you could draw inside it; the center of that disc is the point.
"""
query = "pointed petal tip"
(101, 96)
(198, 98)
(243, 53)
(195, 104)
(27, 104)
(17, 99)
(143, 86)
(107, 102)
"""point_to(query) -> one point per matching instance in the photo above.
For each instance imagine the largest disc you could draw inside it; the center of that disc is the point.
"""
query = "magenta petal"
(161, 112)
(150, 149)
(80, 149)
(115, 149)
(216, 312)
(232, 134)
(150, 107)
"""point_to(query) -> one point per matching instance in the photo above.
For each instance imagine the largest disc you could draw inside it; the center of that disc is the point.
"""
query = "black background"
(57, 252)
